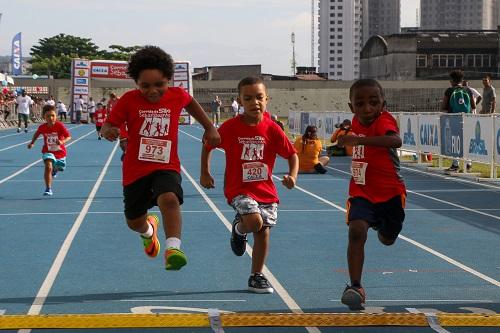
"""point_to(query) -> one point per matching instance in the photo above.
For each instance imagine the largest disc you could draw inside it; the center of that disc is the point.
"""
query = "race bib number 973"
(154, 150)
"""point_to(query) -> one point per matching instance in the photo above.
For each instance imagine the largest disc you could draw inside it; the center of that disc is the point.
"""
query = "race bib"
(358, 172)
(255, 172)
(52, 142)
(154, 150)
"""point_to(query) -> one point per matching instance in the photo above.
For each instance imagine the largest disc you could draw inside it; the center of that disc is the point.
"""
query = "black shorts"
(141, 195)
(97, 128)
(386, 217)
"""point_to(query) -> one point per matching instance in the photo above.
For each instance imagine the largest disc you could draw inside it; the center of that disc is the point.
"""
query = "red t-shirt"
(250, 156)
(375, 170)
(100, 116)
(50, 137)
(152, 131)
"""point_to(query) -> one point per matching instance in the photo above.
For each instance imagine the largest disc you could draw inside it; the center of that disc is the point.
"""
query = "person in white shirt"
(23, 106)
(50, 101)
(91, 109)
(61, 110)
(234, 106)
(475, 94)
(79, 102)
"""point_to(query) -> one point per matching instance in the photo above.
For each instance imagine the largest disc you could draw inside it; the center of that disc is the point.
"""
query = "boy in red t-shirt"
(100, 118)
(55, 136)
(376, 192)
(251, 142)
(151, 166)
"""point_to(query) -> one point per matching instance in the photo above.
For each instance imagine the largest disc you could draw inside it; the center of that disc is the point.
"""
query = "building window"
(478, 60)
(339, 73)
(421, 61)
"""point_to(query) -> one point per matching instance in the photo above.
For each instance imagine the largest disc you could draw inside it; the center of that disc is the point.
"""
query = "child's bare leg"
(47, 175)
(260, 249)
(171, 214)
(358, 230)
(138, 224)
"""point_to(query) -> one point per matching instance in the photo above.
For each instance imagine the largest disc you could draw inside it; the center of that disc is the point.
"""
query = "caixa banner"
(109, 69)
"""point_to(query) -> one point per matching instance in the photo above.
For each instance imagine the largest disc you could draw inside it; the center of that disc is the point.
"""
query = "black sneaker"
(453, 168)
(238, 243)
(258, 283)
(353, 297)
(320, 168)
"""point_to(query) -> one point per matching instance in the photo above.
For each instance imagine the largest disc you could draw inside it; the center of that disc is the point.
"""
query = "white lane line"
(419, 245)
(182, 300)
(62, 180)
(280, 290)
(430, 300)
(40, 160)
(44, 291)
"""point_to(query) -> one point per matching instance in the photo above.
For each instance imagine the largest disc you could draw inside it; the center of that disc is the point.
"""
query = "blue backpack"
(460, 101)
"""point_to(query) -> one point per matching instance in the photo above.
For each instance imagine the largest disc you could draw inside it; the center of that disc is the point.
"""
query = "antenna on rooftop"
(312, 33)
(293, 54)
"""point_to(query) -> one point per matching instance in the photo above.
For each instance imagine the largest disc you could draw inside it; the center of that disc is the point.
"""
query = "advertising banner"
(182, 79)
(109, 69)
(17, 55)
(408, 129)
(452, 139)
(478, 138)
(428, 133)
(80, 86)
(294, 123)
(497, 140)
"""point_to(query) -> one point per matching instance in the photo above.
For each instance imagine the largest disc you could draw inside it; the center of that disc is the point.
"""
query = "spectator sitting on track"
(343, 128)
(308, 148)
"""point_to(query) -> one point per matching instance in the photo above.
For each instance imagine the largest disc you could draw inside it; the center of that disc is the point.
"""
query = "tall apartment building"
(340, 38)
(458, 14)
(381, 17)
(345, 25)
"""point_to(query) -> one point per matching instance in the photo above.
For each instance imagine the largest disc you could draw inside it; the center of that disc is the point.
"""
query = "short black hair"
(365, 83)
(48, 108)
(150, 57)
(248, 81)
(457, 76)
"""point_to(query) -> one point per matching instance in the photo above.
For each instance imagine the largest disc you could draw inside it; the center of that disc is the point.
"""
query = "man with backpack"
(458, 99)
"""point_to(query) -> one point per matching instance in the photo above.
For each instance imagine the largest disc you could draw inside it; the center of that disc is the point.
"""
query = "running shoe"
(258, 283)
(25, 130)
(19, 130)
(353, 297)
(238, 242)
(152, 244)
(48, 191)
(174, 259)
(54, 172)
(453, 168)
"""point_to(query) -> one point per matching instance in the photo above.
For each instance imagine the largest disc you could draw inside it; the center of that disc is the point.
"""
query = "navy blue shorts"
(141, 195)
(386, 217)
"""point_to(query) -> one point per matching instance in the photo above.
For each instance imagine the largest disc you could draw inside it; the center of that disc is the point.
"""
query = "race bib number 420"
(154, 150)
(255, 172)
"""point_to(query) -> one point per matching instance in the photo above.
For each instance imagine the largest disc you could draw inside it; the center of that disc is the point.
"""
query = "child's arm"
(35, 136)
(206, 179)
(293, 169)
(109, 131)
(390, 140)
(63, 141)
(211, 136)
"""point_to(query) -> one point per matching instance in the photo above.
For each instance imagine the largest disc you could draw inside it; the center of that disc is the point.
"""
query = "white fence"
(459, 136)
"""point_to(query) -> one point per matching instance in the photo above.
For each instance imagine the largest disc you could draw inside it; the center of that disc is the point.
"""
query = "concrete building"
(340, 38)
(430, 55)
(381, 17)
(236, 72)
(458, 14)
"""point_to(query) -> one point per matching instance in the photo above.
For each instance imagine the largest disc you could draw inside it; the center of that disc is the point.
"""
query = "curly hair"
(308, 135)
(150, 57)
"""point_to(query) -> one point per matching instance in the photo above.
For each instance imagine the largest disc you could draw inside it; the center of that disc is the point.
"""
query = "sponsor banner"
(109, 69)
(181, 66)
(80, 90)
(180, 76)
(81, 72)
(478, 138)
(182, 84)
(81, 81)
(497, 139)
(17, 56)
(81, 63)
(428, 134)
(294, 123)
(185, 118)
(452, 138)
(408, 129)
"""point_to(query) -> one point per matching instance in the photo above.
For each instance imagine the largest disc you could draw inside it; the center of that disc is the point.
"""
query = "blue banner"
(452, 136)
(17, 56)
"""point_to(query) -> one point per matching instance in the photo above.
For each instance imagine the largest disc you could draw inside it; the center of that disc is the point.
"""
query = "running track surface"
(73, 253)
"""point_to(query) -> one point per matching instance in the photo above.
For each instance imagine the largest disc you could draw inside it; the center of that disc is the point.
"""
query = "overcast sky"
(205, 32)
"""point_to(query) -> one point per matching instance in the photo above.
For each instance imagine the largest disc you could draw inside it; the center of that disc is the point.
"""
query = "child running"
(100, 118)
(376, 192)
(252, 142)
(55, 136)
(151, 167)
